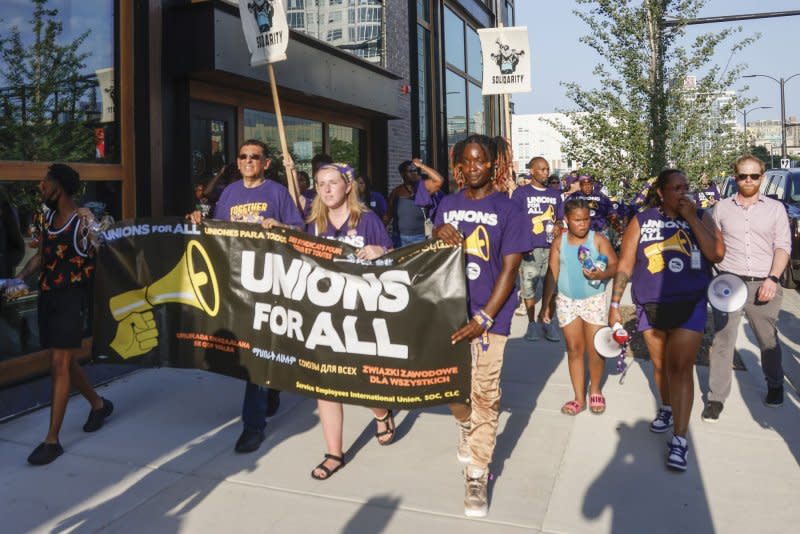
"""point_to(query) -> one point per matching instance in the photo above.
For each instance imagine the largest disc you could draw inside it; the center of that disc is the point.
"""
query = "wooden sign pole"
(288, 162)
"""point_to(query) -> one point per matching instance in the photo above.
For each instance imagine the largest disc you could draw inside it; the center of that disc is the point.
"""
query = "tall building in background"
(533, 135)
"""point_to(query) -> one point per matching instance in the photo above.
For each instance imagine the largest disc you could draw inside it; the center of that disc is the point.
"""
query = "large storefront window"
(57, 90)
(355, 26)
(463, 78)
(303, 137)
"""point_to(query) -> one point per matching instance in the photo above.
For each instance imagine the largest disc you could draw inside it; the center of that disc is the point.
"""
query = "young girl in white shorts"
(581, 308)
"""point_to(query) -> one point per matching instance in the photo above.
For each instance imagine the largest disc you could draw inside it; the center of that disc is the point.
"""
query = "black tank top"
(65, 262)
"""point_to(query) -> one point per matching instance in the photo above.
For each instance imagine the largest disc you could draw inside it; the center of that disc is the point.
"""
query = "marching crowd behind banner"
(285, 309)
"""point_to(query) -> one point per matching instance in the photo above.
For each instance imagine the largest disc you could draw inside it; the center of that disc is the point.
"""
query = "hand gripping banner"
(285, 309)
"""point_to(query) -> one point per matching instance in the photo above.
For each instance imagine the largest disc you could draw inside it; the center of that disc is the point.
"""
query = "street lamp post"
(781, 83)
(744, 113)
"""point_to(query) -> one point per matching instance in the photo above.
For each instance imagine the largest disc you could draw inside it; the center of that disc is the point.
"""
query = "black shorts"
(64, 317)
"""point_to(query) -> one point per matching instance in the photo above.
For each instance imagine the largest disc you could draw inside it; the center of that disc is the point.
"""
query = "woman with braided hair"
(494, 233)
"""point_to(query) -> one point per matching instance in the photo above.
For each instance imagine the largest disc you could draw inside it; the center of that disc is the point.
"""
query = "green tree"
(644, 116)
(41, 117)
(761, 153)
(344, 152)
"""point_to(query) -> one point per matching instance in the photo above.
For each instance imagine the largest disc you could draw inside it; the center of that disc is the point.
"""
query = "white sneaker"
(463, 453)
(475, 492)
(532, 334)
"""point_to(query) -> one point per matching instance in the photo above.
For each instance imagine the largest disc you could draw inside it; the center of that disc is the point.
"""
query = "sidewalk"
(165, 460)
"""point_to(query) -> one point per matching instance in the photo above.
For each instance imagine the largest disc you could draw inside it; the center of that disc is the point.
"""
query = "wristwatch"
(774, 278)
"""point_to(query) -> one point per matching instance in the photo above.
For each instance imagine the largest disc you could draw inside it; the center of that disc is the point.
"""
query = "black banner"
(285, 309)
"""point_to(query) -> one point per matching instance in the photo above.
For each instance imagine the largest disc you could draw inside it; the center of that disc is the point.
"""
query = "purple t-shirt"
(494, 227)
(663, 270)
(377, 203)
(541, 205)
(707, 196)
(368, 231)
(252, 205)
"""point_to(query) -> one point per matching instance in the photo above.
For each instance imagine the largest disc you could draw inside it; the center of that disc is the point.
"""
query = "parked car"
(783, 185)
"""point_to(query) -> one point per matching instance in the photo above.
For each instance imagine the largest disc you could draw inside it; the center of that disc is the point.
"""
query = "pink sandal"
(597, 403)
(572, 407)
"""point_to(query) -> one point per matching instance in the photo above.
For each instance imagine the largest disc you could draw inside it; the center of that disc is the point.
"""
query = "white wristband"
(615, 304)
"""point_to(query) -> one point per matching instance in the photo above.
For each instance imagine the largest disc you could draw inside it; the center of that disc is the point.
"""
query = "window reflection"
(20, 214)
(344, 143)
(57, 90)
(454, 39)
(456, 108)
(477, 123)
(355, 26)
(304, 138)
(474, 57)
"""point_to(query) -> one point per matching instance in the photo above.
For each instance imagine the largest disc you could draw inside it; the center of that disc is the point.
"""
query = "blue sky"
(557, 55)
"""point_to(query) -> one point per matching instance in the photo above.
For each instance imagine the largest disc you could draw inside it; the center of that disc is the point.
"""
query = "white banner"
(265, 30)
(105, 79)
(506, 60)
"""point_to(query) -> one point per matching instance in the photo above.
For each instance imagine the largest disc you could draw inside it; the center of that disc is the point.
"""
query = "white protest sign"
(506, 60)
(265, 30)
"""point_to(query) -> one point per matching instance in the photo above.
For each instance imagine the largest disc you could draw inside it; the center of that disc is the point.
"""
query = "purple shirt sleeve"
(422, 197)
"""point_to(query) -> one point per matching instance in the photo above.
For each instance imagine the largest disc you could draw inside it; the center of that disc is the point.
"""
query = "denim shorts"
(532, 270)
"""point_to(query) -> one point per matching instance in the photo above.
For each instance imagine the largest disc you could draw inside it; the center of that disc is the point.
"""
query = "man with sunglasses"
(757, 239)
(254, 199)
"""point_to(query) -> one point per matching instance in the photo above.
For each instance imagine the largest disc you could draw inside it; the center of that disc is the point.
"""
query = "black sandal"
(328, 472)
(387, 419)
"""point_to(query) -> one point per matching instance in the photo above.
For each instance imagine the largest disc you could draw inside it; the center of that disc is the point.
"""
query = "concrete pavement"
(165, 460)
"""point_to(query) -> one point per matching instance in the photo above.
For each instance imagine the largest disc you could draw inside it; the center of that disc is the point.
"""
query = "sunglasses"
(254, 157)
(743, 177)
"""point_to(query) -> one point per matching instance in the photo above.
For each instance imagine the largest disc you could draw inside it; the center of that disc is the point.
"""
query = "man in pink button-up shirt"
(757, 239)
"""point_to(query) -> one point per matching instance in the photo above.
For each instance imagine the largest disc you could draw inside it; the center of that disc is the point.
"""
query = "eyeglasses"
(743, 177)
(254, 157)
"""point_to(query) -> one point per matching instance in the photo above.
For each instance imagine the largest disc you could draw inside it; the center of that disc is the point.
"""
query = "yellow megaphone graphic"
(477, 243)
(184, 284)
(654, 253)
(539, 220)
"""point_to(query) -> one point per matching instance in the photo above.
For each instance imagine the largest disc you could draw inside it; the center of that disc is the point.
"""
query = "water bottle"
(600, 264)
(549, 231)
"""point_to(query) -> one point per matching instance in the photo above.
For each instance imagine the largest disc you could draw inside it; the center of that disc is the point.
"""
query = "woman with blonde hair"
(338, 213)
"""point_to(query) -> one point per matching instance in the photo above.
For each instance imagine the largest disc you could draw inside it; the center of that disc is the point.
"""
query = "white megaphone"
(727, 293)
(609, 341)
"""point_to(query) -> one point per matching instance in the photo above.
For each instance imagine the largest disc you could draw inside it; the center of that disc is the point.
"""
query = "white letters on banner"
(265, 30)
(506, 60)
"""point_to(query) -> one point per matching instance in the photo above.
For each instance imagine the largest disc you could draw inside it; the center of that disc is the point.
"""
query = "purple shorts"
(696, 321)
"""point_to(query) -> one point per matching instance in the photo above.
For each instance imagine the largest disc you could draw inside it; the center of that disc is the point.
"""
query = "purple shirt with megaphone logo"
(663, 270)
(493, 227)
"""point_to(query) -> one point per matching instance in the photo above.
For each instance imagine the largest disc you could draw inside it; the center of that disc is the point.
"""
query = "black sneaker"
(711, 411)
(249, 441)
(45, 453)
(273, 401)
(98, 417)
(774, 397)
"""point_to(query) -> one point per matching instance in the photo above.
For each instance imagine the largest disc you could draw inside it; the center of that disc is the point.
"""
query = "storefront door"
(213, 139)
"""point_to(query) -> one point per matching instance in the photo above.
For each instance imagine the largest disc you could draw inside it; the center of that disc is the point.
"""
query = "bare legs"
(66, 372)
(331, 416)
(579, 337)
(673, 354)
